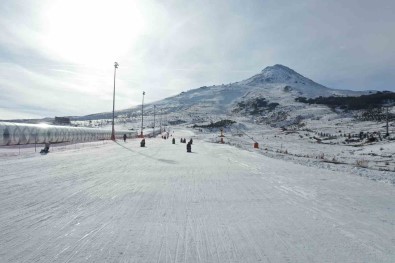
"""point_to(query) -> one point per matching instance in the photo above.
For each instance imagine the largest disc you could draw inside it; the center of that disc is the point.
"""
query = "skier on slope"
(124, 137)
(189, 147)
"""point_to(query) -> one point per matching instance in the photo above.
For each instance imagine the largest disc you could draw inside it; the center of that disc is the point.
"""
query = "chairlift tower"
(387, 105)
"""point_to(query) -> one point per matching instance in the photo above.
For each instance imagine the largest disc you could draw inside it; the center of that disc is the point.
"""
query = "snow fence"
(20, 133)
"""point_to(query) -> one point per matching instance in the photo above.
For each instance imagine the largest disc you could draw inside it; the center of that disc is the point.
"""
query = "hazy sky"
(57, 56)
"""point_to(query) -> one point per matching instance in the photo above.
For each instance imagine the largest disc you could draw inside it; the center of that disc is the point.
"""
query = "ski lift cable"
(246, 134)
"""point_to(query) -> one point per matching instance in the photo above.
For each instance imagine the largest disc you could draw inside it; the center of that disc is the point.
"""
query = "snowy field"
(375, 160)
(117, 202)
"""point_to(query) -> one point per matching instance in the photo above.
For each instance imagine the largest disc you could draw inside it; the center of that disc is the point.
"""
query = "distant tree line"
(62, 120)
(363, 102)
(256, 106)
(218, 124)
(176, 122)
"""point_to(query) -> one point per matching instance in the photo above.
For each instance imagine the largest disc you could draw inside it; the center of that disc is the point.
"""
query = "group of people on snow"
(142, 143)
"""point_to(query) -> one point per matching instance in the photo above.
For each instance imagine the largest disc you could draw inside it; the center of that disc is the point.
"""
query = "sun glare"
(90, 31)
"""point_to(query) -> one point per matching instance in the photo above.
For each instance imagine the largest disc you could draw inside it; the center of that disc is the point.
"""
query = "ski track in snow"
(122, 203)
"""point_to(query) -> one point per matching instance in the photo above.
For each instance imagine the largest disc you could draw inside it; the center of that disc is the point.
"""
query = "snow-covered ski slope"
(118, 202)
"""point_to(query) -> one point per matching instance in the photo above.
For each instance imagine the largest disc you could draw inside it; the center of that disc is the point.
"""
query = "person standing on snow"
(189, 147)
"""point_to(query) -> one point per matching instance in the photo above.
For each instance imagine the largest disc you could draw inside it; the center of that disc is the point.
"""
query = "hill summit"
(279, 72)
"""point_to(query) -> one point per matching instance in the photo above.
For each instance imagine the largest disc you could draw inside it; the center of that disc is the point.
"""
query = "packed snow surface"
(117, 202)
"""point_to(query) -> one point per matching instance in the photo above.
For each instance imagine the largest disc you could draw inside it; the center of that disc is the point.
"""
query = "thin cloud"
(51, 64)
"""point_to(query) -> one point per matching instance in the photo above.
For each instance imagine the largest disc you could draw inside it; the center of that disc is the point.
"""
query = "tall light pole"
(160, 121)
(113, 103)
(142, 115)
(154, 120)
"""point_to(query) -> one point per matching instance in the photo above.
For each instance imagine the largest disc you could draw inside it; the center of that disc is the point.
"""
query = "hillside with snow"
(277, 86)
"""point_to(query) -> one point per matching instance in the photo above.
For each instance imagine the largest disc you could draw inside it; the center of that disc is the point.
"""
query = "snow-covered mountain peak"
(277, 74)
(281, 76)
(278, 69)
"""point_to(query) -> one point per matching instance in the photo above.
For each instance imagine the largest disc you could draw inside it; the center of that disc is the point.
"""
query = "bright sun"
(92, 31)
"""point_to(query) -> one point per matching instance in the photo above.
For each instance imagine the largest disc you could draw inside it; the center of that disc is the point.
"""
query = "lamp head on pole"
(116, 64)
(143, 93)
